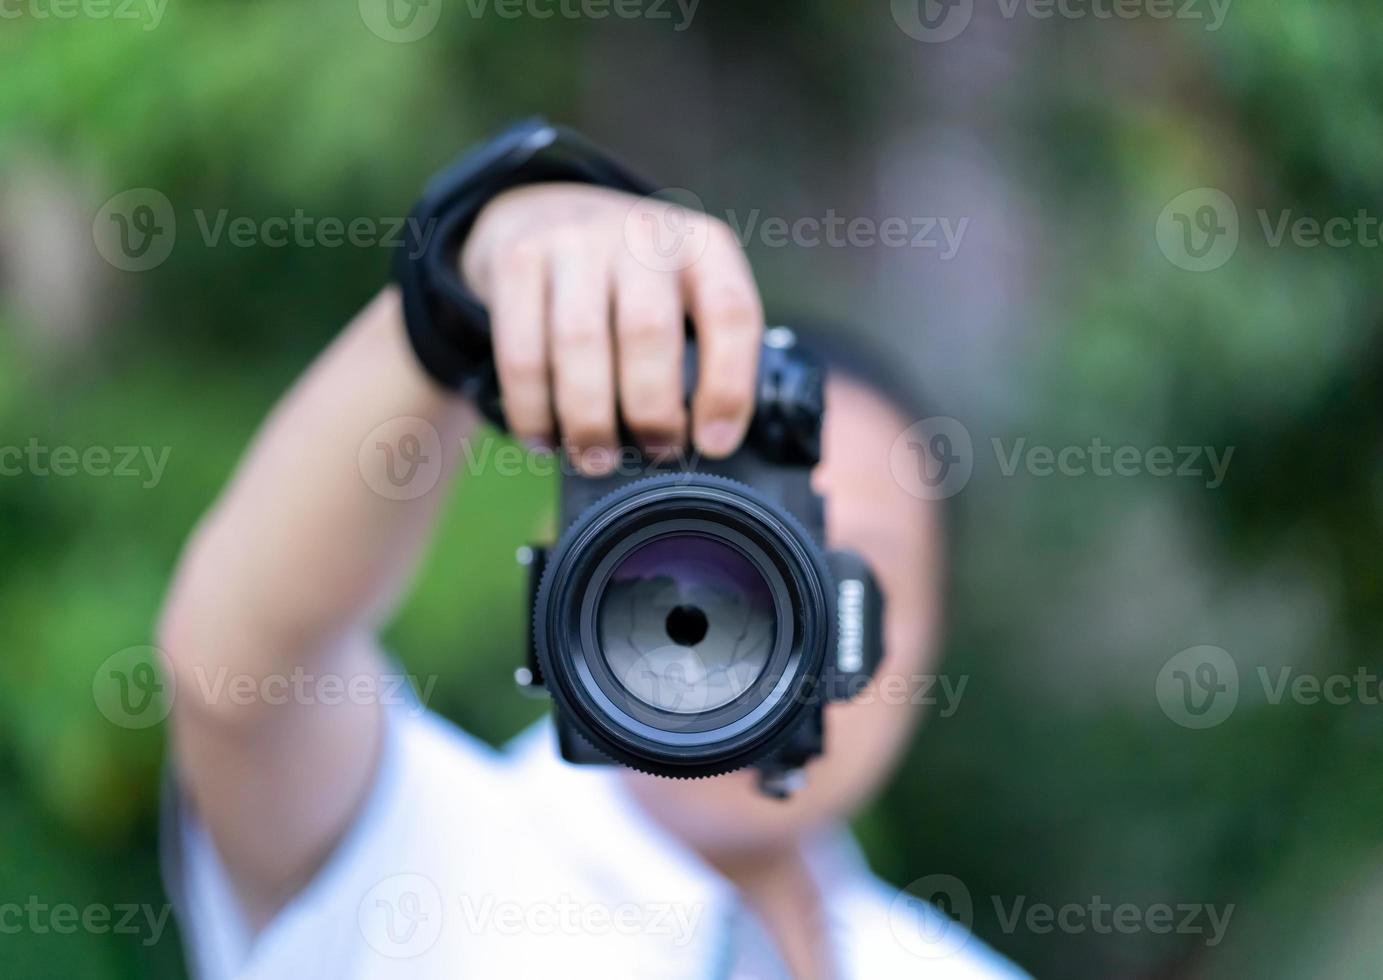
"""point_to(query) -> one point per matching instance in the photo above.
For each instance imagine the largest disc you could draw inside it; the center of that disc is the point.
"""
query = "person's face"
(867, 511)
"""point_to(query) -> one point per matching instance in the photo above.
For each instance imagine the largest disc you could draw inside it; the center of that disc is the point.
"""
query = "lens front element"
(686, 623)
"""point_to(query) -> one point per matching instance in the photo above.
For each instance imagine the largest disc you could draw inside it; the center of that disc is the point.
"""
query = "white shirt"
(466, 862)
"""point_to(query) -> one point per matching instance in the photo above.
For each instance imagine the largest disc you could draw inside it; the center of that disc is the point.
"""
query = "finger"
(648, 350)
(517, 315)
(582, 366)
(729, 321)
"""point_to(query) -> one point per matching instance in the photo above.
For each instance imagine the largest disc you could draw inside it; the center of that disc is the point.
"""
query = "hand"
(587, 305)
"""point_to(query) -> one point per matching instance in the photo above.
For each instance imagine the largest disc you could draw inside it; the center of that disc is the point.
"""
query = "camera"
(689, 621)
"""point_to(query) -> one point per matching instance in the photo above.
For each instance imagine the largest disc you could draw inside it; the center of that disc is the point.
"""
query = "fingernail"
(718, 437)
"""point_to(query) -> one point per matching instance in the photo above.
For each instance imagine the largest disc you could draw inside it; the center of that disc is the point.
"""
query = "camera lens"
(677, 624)
(686, 623)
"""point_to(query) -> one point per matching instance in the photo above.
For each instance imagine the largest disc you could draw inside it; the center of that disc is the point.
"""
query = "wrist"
(446, 319)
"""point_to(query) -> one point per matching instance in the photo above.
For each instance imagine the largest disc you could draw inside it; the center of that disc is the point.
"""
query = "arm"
(300, 560)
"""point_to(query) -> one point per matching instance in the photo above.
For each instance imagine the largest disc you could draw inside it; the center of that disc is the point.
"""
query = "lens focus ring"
(681, 624)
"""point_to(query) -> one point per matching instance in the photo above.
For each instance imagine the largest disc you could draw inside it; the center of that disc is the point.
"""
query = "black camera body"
(689, 621)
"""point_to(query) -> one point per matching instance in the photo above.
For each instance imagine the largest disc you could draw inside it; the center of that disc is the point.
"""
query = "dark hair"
(859, 356)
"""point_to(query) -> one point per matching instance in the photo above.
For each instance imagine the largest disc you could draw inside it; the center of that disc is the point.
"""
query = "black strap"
(447, 325)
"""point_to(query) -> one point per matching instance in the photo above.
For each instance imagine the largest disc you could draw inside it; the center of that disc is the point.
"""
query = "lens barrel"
(682, 623)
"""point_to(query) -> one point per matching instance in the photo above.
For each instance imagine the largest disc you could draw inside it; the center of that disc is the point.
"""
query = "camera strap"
(447, 325)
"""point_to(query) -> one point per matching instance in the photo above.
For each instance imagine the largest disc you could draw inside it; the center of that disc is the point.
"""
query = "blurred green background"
(1063, 317)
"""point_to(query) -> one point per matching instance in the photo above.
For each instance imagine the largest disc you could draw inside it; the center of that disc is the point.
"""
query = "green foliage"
(1060, 778)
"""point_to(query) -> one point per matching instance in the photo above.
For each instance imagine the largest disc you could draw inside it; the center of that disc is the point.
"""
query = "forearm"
(310, 542)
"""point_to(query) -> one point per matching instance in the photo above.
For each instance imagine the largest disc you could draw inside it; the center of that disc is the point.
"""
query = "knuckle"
(522, 367)
(579, 327)
(570, 236)
(731, 308)
(649, 408)
(648, 326)
(724, 395)
(522, 254)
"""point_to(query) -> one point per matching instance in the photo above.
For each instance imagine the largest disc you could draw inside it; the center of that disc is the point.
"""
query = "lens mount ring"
(626, 726)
